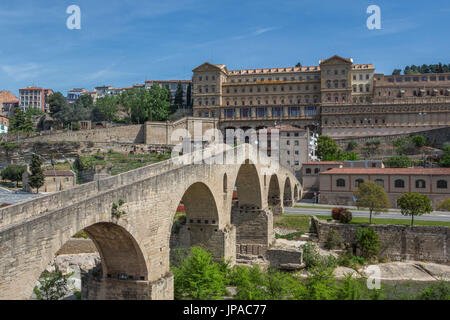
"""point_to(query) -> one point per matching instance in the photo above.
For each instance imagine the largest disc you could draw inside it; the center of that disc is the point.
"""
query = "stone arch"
(274, 195)
(201, 224)
(225, 183)
(123, 265)
(287, 193)
(120, 253)
(253, 223)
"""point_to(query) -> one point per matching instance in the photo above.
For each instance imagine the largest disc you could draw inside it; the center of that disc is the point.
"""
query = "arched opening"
(296, 195)
(104, 262)
(225, 183)
(254, 224)
(196, 223)
(274, 196)
(287, 194)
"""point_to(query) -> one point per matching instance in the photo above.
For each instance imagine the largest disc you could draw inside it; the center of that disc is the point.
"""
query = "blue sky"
(123, 42)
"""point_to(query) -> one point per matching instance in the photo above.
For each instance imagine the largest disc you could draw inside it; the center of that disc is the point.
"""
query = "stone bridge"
(134, 247)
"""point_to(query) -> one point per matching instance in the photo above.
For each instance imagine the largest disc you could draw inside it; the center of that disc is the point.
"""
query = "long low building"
(337, 185)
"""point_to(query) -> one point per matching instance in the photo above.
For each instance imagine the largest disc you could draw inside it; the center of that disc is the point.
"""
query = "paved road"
(394, 214)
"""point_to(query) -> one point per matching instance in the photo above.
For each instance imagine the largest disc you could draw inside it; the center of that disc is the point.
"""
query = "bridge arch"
(253, 221)
(274, 195)
(287, 193)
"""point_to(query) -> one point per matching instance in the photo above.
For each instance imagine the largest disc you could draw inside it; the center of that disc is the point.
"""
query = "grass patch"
(298, 223)
(363, 220)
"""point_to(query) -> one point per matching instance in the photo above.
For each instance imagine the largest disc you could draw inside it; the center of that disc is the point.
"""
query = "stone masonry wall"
(423, 243)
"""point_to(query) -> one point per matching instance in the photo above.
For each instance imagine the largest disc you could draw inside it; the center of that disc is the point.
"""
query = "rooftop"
(390, 171)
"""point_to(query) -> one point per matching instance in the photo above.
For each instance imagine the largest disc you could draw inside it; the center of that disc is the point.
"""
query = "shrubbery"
(334, 240)
(199, 277)
(341, 214)
(444, 205)
(368, 242)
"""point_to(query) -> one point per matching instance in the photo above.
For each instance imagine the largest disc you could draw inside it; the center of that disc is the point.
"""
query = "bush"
(444, 205)
(368, 242)
(437, 291)
(341, 214)
(313, 259)
(335, 213)
(419, 141)
(352, 145)
(334, 240)
(345, 216)
(349, 260)
(398, 162)
(199, 277)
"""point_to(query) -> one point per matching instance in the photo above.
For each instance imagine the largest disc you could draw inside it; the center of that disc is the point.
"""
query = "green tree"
(419, 141)
(372, 145)
(57, 102)
(414, 204)
(36, 179)
(398, 162)
(146, 105)
(179, 95)
(298, 65)
(8, 147)
(105, 108)
(21, 122)
(189, 95)
(396, 72)
(444, 205)
(13, 172)
(326, 148)
(368, 242)
(199, 278)
(373, 197)
(53, 285)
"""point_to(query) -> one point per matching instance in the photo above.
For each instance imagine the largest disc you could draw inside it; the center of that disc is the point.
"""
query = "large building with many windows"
(339, 97)
(34, 97)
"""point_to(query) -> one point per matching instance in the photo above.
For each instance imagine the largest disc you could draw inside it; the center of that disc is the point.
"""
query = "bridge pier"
(115, 289)
(254, 230)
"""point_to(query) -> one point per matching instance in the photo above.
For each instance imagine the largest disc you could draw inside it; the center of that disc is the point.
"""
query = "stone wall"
(113, 289)
(435, 137)
(398, 242)
(254, 230)
(122, 134)
(284, 258)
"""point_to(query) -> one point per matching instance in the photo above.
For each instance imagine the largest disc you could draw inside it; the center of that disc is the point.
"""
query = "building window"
(442, 184)
(420, 184)
(380, 182)
(316, 171)
(308, 171)
(399, 183)
(358, 182)
(340, 183)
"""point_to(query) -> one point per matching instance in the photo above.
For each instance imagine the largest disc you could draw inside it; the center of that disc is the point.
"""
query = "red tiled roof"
(59, 173)
(391, 171)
